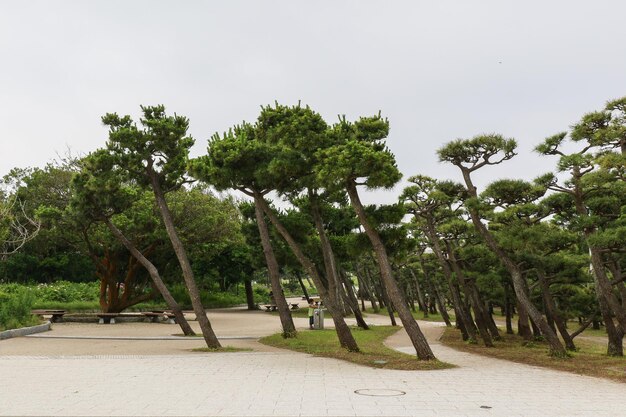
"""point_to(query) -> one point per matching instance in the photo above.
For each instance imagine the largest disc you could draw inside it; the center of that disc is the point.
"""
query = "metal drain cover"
(380, 392)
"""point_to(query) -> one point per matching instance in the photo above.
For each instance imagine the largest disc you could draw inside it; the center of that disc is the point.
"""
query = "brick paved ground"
(280, 383)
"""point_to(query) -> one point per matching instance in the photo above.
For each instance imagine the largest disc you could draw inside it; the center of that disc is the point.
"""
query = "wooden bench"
(56, 316)
(272, 307)
(109, 318)
(155, 315)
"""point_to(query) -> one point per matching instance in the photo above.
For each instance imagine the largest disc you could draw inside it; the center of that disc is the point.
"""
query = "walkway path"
(41, 376)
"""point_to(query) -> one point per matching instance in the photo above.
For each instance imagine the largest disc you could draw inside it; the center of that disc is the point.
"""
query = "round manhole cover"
(380, 392)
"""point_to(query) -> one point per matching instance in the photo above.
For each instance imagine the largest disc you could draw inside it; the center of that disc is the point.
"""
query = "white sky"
(438, 69)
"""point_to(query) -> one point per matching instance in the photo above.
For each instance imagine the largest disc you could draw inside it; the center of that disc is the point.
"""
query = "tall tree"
(469, 155)
(236, 160)
(430, 204)
(156, 156)
(297, 133)
(596, 189)
(358, 156)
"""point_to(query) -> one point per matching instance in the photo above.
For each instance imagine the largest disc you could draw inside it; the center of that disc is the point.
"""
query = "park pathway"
(281, 383)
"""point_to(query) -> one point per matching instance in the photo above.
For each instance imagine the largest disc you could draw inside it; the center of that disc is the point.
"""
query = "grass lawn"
(373, 352)
(590, 359)
(418, 315)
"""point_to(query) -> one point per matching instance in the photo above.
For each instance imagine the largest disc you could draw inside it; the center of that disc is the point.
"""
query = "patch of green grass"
(373, 352)
(601, 332)
(590, 359)
(222, 349)
(418, 315)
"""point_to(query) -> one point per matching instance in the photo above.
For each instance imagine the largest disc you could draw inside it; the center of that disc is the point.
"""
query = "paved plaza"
(158, 375)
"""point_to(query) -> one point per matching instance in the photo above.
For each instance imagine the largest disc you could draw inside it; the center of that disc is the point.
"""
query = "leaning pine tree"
(237, 161)
(469, 155)
(358, 156)
(155, 156)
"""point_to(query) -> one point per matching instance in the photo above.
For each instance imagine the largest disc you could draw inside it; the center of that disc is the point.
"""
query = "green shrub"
(58, 295)
(64, 291)
(261, 294)
(221, 299)
(210, 299)
(15, 309)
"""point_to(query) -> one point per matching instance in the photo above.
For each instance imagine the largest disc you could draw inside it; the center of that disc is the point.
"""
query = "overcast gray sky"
(438, 69)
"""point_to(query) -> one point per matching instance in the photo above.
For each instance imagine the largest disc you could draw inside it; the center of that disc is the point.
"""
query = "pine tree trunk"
(461, 312)
(440, 303)
(289, 329)
(365, 288)
(410, 325)
(615, 335)
(536, 332)
(519, 285)
(249, 295)
(420, 296)
(389, 307)
(479, 316)
(601, 280)
(346, 340)
(603, 285)
(302, 286)
(156, 279)
(508, 310)
(352, 301)
(523, 324)
(559, 321)
(205, 325)
(432, 285)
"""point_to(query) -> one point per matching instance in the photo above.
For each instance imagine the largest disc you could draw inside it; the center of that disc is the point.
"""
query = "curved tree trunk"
(519, 285)
(329, 297)
(205, 325)
(508, 310)
(433, 288)
(332, 274)
(156, 279)
(289, 329)
(420, 297)
(302, 286)
(461, 312)
(472, 296)
(523, 323)
(559, 321)
(601, 280)
(365, 288)
(410, 325)
(352, 301)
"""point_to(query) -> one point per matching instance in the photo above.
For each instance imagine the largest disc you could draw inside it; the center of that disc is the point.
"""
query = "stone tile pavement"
(150, 378)
(292, 384)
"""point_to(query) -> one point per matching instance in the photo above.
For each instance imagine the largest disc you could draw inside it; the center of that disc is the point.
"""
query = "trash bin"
(318, 319)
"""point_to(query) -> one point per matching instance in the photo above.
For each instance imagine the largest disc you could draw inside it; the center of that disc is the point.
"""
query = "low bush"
(261, 294)
(15, 309)
(64, 291)
(210, 299)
